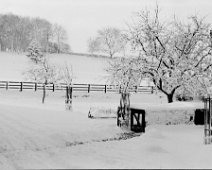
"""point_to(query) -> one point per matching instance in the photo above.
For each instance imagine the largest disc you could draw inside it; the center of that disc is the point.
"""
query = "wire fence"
(76, 87)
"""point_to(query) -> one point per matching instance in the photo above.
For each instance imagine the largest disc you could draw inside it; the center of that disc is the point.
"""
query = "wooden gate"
(137, 120)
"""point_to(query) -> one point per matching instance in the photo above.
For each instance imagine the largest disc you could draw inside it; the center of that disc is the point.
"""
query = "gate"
(137, 120)
(207, 120)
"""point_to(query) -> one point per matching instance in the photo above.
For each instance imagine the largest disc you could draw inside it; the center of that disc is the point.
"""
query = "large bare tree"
(109, 41)
(173, 54)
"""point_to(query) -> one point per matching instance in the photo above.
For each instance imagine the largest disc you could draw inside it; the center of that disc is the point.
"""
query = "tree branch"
(160, 43)
(142, 46)
(207, 67)
(209, 53)
(160, 87)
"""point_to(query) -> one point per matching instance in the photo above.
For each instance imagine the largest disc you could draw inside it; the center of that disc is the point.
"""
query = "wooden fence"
(76, 87)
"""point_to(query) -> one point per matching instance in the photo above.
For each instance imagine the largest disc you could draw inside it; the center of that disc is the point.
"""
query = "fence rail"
(76, 87)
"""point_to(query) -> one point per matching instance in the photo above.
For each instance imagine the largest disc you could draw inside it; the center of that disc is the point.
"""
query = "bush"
(201, 98)
(184, 94)
(184, 97)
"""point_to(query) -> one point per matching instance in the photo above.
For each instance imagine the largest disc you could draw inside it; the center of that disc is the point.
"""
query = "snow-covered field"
(46, 136)
(85, 69)
(37, 136)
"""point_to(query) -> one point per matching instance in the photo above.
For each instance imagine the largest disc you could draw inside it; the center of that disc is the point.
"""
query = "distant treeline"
(17, 33)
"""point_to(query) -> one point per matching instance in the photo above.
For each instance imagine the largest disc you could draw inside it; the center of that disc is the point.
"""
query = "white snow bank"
(169, 113)
(166, 113)
(102, 112)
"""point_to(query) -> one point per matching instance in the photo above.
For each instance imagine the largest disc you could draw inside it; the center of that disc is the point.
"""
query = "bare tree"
(60, 36)
(93, 45)
(43, 72)
(48, 74)
(66, 75)
(17, 32)
(108, 40)
(172, 54)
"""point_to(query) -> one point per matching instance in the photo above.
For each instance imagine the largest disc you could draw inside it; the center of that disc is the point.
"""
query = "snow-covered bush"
(102, 112)
(170, 116)
(34, 52)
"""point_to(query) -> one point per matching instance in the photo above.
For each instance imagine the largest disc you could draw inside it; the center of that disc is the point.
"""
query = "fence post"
(152, 90)
(136, 87)
(67, 93)
(21, 87)
(89, 87)
(7, 85)
(53, 87)
(35, 86)
(105, 88)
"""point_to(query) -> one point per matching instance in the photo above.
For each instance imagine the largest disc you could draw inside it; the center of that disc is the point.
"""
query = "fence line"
(76, 87)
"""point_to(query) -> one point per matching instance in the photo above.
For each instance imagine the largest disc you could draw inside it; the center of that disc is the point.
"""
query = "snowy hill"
(86, 69)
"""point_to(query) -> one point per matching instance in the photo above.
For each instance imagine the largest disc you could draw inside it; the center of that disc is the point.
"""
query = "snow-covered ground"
(46, 136)
(85, 69)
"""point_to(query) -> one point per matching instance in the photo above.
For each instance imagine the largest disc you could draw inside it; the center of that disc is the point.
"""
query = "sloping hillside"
(86, 69)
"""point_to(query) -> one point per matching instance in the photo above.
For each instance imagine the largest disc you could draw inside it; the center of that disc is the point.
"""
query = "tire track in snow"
(123, 136)
(22, 133)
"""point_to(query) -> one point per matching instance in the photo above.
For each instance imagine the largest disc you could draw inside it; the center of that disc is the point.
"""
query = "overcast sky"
(82, 18)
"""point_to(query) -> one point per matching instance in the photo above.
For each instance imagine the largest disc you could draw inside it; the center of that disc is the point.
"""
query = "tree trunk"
(68, 100)
(47, 43)
(44, 92)
(1, 49)
(123, 116)
(111, 54)
(170, 97)
(12, 46)
(58, 44)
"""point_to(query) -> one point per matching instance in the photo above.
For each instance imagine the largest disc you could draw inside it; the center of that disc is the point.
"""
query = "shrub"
(183, 97)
